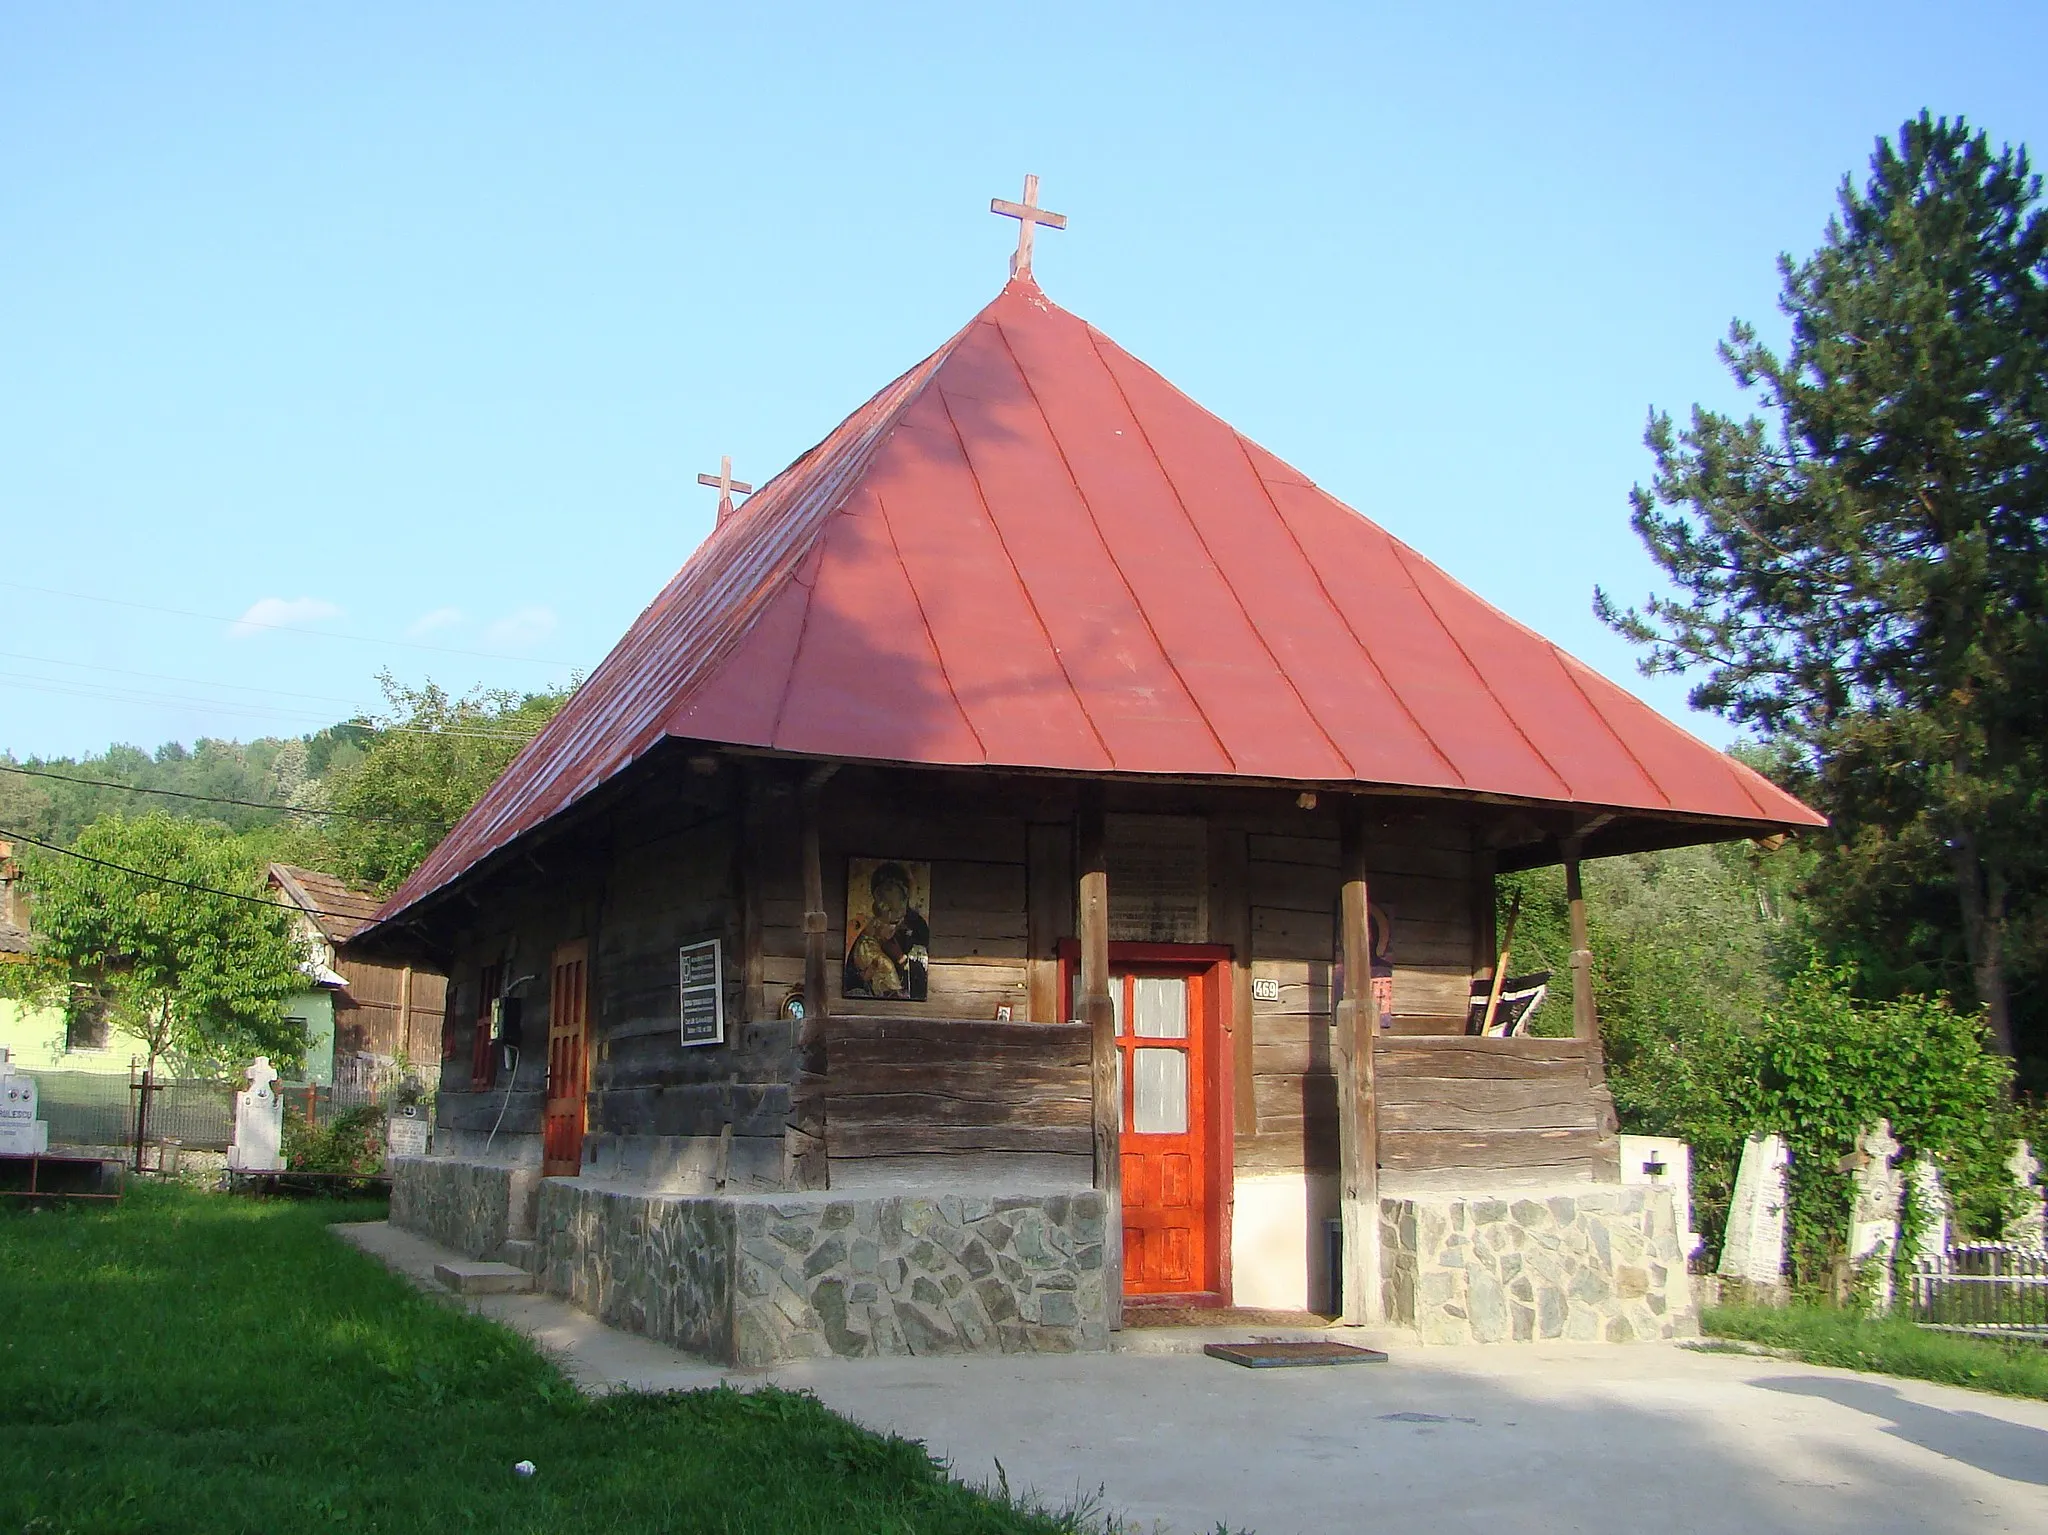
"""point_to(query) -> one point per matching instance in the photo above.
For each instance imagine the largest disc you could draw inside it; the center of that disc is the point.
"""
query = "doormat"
(1282, 1356)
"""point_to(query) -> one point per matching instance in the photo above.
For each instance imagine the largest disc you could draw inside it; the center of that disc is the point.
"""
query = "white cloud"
(434, 622)
(270, 612)
(521, 628)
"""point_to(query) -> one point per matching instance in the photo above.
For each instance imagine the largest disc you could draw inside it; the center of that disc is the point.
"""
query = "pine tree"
(1863, 577)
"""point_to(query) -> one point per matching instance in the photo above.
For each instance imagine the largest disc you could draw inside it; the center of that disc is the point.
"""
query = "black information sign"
(703, 994)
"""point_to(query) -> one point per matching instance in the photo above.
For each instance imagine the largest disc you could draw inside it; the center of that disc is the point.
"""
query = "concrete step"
(467, 1278)
(521, 1252)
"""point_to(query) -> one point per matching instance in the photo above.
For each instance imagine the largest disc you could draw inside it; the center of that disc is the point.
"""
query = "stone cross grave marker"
(1661, 1161)
(1754, 1250)
(259, 1123)
(2031, 1229)
(1874, 1215)
(21, 1133)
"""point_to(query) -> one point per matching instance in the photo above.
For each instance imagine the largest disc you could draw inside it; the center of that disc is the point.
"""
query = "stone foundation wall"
(473, 1207)
(754, 1279)
(1588, 1264)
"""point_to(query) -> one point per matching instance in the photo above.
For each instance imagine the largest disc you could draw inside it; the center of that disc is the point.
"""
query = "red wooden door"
(568, 1062)
(1162, 1027)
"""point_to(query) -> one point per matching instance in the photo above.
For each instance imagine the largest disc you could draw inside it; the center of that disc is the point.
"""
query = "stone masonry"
(1589, 1264)
(758, 1278)
(473, 1207)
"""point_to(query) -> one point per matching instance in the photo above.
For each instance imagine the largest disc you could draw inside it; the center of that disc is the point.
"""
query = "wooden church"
(1033, 865)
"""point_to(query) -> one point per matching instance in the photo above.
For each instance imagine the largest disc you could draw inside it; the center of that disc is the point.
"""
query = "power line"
(182, 884)
(129, 671)
(332, 634)
(117, 694)
(219, 799)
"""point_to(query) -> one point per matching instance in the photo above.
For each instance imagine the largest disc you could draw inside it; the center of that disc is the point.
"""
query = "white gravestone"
(1931, 1235)
(405, 1133)
(2030, 1230)
(1754, 1249)
(1663, 1162)
(21, 1133)
(1874, 1216)
(259, 1123)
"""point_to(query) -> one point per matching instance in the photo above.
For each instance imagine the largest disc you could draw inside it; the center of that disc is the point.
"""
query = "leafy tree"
(200, 974)
(1689, 947)
(1862, 580)
(432, 758)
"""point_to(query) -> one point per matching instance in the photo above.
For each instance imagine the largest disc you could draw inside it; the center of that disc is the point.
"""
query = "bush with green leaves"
(351, 1141)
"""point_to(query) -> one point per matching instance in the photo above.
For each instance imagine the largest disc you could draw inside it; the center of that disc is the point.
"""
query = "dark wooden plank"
(914, 1111)
(925, 1140)
(944, 1030)
(1467, 1056)
(1413, 1151)
(1470, 1106)
(1024, 1078)
(1315, 851)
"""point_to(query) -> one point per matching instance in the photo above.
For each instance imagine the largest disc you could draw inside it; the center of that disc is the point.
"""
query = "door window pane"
(1161, 1005)
(1159, 1096)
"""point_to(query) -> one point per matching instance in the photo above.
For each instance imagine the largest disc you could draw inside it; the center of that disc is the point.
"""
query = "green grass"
(192, 1362)
(1885, 1345)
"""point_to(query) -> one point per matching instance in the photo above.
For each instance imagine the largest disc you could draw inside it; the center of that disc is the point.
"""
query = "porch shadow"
(2011, 1450)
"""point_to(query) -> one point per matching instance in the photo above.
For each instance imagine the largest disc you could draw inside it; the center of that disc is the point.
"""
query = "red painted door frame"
(1212, 962)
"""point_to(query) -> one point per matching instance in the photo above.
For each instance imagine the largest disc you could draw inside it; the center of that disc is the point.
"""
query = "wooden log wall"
(661, 870)
(1494, 1113)
(1421, 873)
(980, 911)
(920, 1086)
(690, 856)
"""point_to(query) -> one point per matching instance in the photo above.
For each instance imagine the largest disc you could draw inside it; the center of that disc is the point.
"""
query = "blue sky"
(411, 326)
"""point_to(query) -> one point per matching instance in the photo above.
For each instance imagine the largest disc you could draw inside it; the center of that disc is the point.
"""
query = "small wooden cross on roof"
(1028, 215)
(725, 485)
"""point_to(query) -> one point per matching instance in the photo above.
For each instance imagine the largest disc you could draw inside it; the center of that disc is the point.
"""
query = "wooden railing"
(926, 1086)
(1458, 1109)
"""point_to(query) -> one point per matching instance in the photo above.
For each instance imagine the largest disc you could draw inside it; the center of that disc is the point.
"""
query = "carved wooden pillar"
(1585, 1015)
(1100, 1016)
(1358, 1112)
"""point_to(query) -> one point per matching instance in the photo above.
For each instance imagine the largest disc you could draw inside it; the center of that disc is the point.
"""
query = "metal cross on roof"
(1028, 215)
(725, 485)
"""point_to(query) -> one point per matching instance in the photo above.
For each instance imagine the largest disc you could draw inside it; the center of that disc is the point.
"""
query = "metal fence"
(1982, 1287)
(84, 1108)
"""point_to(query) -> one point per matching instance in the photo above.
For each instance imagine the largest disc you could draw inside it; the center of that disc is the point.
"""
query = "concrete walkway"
(1640, 1437)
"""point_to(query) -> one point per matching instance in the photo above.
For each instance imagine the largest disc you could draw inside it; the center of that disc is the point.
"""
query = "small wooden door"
(1162, 1026)
(562, 1120)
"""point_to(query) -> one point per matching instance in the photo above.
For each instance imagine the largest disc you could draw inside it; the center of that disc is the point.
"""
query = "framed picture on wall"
(888, 929)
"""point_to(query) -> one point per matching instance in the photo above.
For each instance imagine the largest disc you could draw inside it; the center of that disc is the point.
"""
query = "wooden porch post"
(1100, 1016)
(1585, 1015)
(1358, 1110)
(809, 1166)
(405, 1011)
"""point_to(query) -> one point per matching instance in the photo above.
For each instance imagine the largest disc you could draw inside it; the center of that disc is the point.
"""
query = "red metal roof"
(1033, 551)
